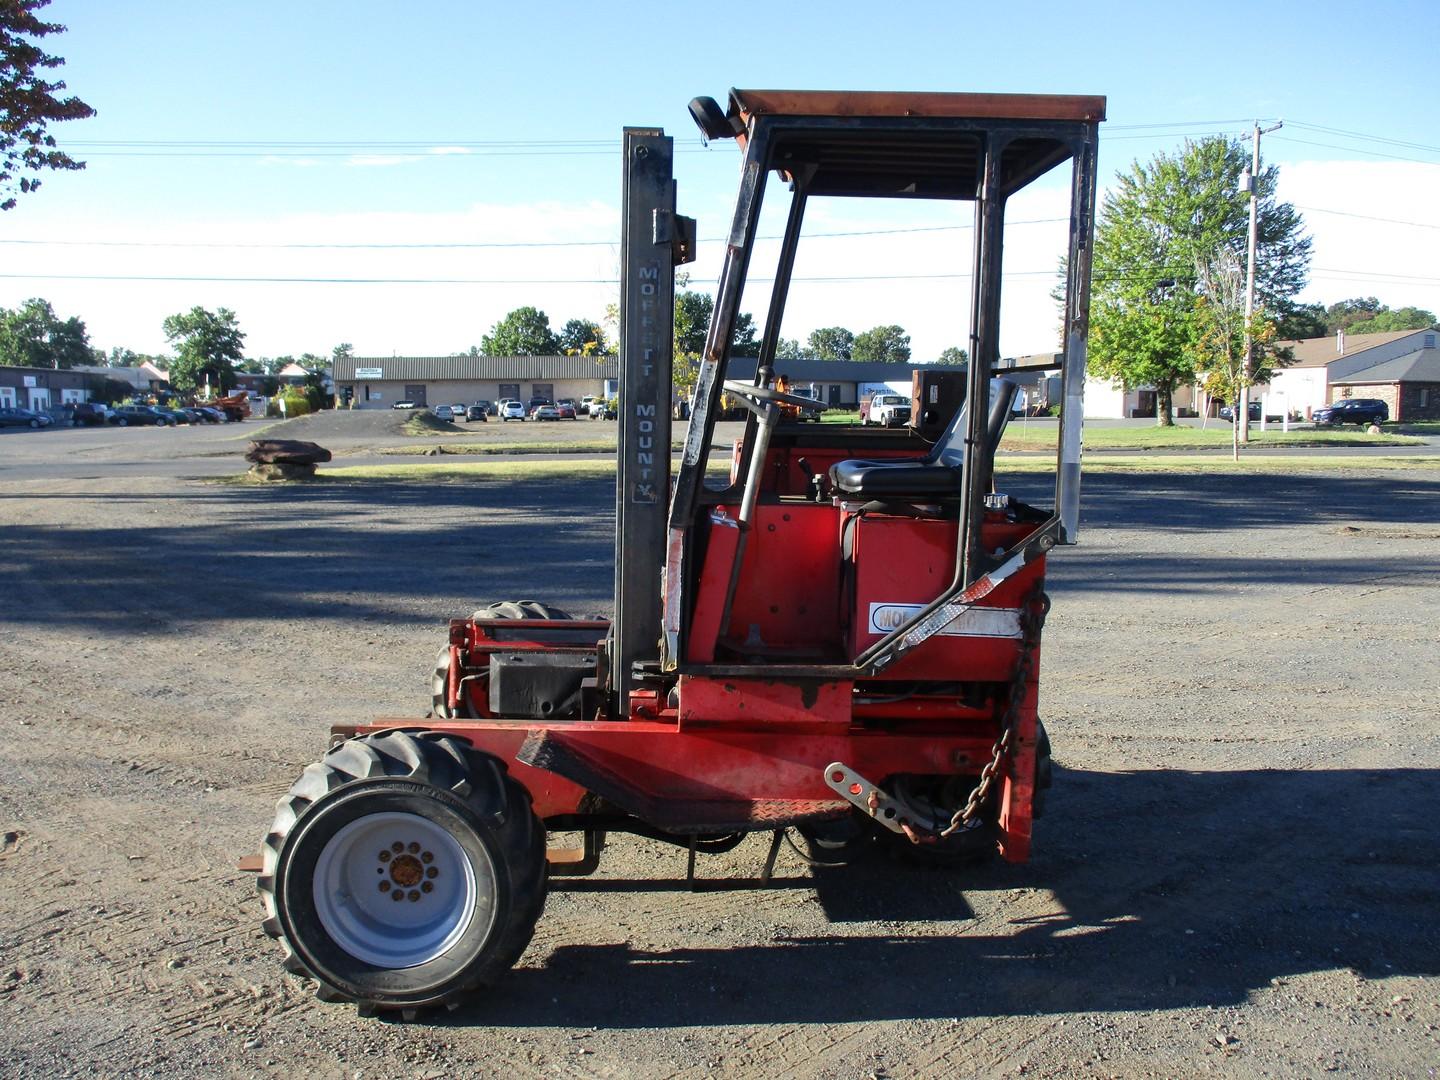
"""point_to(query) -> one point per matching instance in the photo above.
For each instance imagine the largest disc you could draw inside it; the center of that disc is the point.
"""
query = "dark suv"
(90, 413)
(1352, 411)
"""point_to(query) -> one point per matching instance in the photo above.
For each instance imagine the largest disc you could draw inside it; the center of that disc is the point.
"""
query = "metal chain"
(1037, 606)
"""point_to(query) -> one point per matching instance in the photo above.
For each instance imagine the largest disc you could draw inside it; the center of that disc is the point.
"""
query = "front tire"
(403, 871)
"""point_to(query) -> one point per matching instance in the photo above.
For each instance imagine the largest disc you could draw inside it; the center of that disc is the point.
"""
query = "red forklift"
(824, 634)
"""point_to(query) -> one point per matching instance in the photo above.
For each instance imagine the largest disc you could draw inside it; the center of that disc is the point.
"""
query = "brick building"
(1409, 384)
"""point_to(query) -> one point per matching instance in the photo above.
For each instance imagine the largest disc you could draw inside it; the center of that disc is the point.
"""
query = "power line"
(1352, 150)
(480, 244)
(1366, 217)
(1367, 137)
(1135, 273)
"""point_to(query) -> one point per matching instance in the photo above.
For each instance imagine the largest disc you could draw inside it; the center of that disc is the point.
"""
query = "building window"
(1424, 397)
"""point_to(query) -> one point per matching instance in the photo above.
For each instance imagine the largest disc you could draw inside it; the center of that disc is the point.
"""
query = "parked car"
(489, 406)
(1227, 412)
(512, 410)
(90, 414)
(175, 416)
(1352, 411)
(545, 412)
(197, 416)
(444, 412)
(477, 412)
(212, 414)
(23, 418)
(458, 408)
(535, 403)
(604, 409)
(566, 408)
(127, 415)
(586, 402)
(403, 405)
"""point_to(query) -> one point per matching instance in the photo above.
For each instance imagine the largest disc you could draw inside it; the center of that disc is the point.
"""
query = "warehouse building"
(378, 382)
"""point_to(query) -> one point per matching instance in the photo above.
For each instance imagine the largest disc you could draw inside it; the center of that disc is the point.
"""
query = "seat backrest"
(949, 449)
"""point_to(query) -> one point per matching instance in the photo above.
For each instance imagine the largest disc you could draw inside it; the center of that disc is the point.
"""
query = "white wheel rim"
(371, 892)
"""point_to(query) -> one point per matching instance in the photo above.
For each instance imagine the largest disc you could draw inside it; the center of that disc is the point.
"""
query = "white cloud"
(380, 160)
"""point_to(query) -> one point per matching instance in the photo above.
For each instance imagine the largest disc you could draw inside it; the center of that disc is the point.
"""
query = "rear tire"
(350, 910)
(504, 609)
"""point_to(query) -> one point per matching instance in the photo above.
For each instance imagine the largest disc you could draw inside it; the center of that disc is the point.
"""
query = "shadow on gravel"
(355, 552)
(1221, 502)
(381, 552)
(1171, 889)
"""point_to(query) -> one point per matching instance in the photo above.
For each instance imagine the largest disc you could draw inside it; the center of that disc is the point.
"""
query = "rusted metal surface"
(859, 103)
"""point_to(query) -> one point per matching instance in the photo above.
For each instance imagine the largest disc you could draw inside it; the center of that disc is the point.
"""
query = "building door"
(7, 397)
(1145, 403)
(416, 394)
(543, 389)
(834, 396)
(39, 398)
(509, 391)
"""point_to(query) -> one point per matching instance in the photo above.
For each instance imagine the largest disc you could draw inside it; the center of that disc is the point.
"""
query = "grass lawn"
(483, 449)
(448, 472)
(1191, 438)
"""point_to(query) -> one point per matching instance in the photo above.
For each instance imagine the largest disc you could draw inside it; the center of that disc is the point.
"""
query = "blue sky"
(335, 123)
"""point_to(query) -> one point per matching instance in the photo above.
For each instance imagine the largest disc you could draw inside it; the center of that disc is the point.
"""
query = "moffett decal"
(972, 622)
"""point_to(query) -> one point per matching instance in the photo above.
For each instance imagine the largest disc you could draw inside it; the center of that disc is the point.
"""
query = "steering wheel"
(761, 394)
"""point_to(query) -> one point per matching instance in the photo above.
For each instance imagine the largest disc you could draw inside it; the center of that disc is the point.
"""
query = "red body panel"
(817, 584)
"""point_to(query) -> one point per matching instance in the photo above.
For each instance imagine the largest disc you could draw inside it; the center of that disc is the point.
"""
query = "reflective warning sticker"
(972, 622)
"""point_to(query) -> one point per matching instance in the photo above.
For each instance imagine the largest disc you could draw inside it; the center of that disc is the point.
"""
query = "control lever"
(818, 482)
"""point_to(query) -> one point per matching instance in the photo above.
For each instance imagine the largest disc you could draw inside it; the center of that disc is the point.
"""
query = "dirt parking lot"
(1238, 873)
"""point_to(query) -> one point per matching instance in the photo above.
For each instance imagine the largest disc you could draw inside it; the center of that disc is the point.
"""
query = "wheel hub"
(397, 890)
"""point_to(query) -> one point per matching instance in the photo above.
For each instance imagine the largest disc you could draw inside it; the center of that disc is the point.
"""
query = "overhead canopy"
(916, 145)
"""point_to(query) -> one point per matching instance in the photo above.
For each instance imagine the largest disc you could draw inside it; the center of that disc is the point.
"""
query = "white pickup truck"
(885, 410)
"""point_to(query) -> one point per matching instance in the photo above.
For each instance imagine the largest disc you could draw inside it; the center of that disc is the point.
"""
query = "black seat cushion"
(908, 477)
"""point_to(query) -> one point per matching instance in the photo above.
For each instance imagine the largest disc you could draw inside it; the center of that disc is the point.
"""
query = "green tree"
(583, 337)
(523, 332)
(28, 104)
(831, 343)
(746, 341)
(790, 349)
(121, 357)
(954, 356)
(1385, 321)
(345, 351)
(1343, 314)
(34, 336)
(882, 344)
(1300, 321)
(208, 346)
(1158, 223)
(692, 322)
(1219, 329)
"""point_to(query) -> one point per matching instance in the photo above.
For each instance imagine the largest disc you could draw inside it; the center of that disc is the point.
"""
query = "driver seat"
(936, 476)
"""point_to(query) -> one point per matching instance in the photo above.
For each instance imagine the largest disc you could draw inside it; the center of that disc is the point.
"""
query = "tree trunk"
(1164, 399)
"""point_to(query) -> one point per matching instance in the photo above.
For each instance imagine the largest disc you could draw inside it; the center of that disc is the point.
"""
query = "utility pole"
(1250, 182)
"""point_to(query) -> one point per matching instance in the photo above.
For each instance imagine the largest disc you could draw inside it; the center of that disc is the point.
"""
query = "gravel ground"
(1238, 873)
